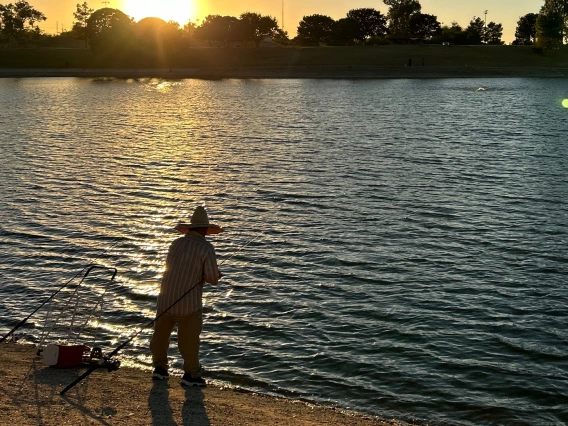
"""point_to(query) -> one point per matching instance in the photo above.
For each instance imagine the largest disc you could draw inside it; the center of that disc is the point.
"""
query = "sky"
(59, 13)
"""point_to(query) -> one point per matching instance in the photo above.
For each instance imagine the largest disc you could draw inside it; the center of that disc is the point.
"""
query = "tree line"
(110, 29)
(401, 25)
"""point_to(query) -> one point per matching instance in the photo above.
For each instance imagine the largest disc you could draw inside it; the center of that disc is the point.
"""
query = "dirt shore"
(29, 395)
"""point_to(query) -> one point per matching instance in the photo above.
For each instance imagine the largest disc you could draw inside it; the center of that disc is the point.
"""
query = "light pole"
(485, 30)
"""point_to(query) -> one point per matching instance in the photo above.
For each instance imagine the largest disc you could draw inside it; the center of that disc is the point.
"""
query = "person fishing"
(191, 262)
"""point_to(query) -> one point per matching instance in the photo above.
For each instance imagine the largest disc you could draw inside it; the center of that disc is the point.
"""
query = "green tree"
(454, 34)
(346, 31)
(237, 30)
(493, 33)
(316, 29)
(157, 35)
(526, 29)
(18, 21)
(424, 26)
(189, 30)
(559, 7)
(81, 16)
(400, 12)
(549, 30)
(220, 29)
(475, 32)
(257, 27)
(371, 23)
(109, 30)
(281, 37)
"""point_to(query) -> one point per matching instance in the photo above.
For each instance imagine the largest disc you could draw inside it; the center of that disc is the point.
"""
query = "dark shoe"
(160, 374)
(187, 380)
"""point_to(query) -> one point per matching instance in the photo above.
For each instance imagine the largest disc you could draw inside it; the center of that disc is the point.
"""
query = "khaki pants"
(189, 329)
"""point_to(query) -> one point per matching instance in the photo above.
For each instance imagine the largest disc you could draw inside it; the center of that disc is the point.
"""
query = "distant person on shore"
(191, 262)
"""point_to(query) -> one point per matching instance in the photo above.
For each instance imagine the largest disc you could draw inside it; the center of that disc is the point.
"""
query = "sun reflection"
(163, 85)
(565, 103)
(158, 84)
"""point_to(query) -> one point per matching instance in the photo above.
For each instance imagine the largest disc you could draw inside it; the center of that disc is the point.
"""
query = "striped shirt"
(191, 260)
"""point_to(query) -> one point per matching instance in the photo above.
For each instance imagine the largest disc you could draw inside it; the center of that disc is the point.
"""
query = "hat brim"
(211, 228)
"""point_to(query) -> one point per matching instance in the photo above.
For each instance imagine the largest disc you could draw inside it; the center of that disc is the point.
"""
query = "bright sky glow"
(169, 10)
(506, 12)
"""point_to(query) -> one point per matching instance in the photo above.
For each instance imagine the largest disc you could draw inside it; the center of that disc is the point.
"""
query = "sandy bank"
(29, 395)
(315, 72)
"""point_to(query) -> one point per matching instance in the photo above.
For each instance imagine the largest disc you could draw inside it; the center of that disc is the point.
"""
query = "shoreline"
(293, 72)
(29, 394)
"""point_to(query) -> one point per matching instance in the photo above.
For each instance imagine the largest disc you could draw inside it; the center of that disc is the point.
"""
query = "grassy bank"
(371, 56)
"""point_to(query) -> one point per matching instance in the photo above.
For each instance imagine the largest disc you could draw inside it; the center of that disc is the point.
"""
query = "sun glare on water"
(180, 11)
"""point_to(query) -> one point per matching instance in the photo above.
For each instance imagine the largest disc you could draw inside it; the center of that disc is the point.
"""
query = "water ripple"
(412, 260)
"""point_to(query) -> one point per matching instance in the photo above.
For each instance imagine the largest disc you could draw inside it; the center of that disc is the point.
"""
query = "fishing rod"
(259, 233)
(89, 267)
(111, 364)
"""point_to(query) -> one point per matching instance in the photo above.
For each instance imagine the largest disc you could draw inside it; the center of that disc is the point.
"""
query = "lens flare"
(565, 103)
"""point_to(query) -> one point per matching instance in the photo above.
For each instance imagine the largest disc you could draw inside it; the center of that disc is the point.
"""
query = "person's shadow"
(159, 404)
(193, 410)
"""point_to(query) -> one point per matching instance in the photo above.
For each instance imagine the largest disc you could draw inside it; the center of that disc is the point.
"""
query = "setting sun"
(180, 11)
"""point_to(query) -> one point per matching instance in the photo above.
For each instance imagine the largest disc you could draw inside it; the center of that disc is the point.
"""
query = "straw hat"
(199, 220)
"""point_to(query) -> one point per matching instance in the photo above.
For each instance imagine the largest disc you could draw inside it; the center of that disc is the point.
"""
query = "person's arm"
(210, 269)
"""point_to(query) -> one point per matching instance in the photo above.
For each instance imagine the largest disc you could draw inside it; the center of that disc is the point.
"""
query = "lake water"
(396, 247)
